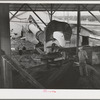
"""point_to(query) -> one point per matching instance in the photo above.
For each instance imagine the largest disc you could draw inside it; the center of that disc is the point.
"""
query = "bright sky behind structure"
(75, 13)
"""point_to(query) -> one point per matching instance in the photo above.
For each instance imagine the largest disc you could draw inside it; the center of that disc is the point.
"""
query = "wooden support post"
(1, 78)
(78, 27)
(51, 13)
(5, 44)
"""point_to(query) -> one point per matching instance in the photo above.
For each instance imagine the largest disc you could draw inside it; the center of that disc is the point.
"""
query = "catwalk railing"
(8, 62)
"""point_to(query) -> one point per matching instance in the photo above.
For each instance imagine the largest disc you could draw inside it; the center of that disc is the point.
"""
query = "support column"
(5, 44)
(78, 27)
(51, 13)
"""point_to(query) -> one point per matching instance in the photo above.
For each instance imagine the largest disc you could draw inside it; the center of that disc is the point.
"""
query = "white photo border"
(49, 93)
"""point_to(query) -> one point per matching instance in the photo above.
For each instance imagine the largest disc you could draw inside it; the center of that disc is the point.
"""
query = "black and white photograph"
(50, 46)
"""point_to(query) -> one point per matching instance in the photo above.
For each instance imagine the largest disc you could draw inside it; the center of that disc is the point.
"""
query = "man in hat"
(82, 54)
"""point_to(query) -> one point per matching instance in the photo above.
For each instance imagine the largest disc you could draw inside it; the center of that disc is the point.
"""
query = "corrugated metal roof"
(54, 7)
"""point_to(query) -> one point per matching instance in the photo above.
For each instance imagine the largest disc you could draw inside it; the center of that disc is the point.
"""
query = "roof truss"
(55, 7)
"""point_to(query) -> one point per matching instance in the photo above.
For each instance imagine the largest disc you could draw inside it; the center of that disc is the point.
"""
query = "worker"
(82, 54)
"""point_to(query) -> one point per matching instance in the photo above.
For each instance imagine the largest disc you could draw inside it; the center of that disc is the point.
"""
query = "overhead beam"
(17, 11)
(76, 8)
(91, 13)
(56, 9)
(21, 13)
(93, 7)
(36, 23)
(51, 11)
(36, 15)
(46, 10)
(85, 6)
(35, 7)
(66, 7)
(17, 17)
